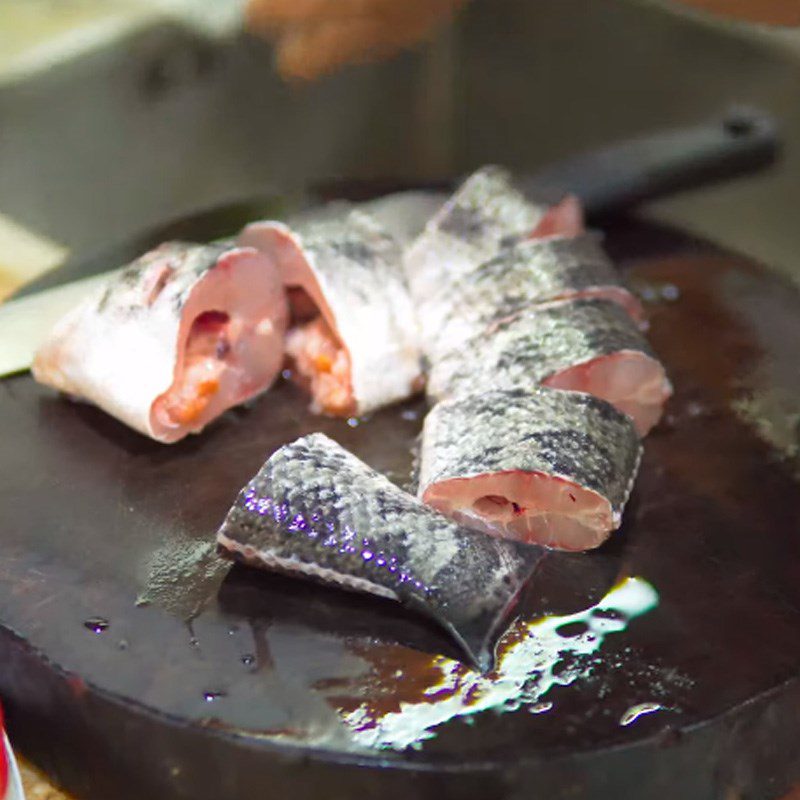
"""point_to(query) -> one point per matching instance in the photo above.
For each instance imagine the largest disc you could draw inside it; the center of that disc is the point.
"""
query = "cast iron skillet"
(284, 689)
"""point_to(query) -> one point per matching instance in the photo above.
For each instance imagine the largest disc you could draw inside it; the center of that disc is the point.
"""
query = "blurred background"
(115, 114)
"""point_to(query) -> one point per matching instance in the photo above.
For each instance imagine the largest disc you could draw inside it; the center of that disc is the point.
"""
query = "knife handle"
(615, 178)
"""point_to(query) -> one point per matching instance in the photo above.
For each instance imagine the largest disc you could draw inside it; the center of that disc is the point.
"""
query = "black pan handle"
(615, 178)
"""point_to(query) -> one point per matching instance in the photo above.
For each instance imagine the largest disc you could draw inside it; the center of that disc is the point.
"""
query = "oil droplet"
(696, 409)
(634, 712)
(96, 624)
(286, 374)
(248, 659)
(353, 422)
(210, 697)
(409, 415)
(540, 708)
(647, 292)
(670, 292)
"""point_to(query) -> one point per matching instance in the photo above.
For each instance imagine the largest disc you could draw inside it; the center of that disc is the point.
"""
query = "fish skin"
(121, 346)
(526, 349)
(314, 509)
(566, 434)
(352, 269)
(189, 262)
(528, 274)
(485, 214)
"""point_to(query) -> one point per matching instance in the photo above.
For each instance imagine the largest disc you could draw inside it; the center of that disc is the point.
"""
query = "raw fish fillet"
(544, 466)
(354, 339)
(529, 274)
(180, 336)
(485, 214)
(587, 345)
(314, 510)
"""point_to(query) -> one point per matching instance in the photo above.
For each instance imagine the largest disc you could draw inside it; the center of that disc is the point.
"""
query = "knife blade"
(24, 322)
(607, 180)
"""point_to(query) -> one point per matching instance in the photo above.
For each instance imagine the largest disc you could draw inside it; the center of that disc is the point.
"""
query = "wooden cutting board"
(664, 665)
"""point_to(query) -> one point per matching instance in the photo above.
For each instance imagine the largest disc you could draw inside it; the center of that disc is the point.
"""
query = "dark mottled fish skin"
(354, 273)
(524, 350)
(188, 264)
(353, 253)
(315, 510)
(567, 434)
(528, 274)
(484, 215)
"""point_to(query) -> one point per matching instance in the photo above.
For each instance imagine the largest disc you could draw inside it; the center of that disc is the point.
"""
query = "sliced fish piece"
(354, 337)
(563, 219)
(404, 214)
(177, 338)
(528, 274)
(550, 467)
(586, 345)
(314, 510)
(485, 214)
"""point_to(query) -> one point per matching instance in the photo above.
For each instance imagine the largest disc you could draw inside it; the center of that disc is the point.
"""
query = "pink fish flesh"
(549, 467)
(183, 334)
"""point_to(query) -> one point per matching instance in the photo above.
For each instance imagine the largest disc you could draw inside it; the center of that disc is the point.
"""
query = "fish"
(354, 338)
(486, 213)
(589, 345)
(314, 510)
(178, 337)
(483, 218)
(543, 466)
(532, 272)
(565, 219)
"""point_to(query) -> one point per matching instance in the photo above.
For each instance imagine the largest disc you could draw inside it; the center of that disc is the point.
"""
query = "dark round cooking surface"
(664, 665)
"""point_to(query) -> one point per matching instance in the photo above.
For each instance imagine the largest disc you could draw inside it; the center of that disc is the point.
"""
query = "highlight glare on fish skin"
(587, 345)
(540, 465)
(367, 354)
(178, 337)
(315, 510)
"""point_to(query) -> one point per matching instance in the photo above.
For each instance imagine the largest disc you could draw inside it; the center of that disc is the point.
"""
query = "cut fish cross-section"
(587, 345)
(181, 335)
(543, 466)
